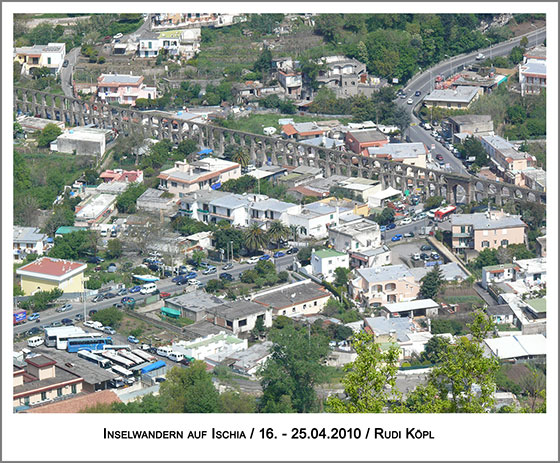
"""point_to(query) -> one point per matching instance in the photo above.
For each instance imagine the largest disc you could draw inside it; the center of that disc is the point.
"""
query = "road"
(66, 72)
(424, 83)
(165, 285)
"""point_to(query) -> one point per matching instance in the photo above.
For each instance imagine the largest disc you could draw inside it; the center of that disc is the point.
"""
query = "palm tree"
(277, 231)
(255, 237)
(294, 230)
(241, 156)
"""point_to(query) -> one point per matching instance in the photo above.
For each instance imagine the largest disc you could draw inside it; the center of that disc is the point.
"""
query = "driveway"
(66, 72)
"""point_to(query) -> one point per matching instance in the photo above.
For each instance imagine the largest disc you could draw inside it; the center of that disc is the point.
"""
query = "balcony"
(462, 235)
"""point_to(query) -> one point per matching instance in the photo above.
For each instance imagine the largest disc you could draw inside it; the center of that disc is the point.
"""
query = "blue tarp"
(148, 278)
(205, 151)
(216, 186)
(153, 366)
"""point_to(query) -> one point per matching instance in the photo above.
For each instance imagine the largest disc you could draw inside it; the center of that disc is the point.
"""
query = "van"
(35, 341)
(97, 325)
(148, 288)
(175, 356)
(164, 351)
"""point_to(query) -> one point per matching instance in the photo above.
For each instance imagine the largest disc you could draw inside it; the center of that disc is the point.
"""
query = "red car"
(164, 294)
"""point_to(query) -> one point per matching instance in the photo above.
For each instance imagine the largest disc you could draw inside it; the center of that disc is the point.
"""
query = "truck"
(20, 317)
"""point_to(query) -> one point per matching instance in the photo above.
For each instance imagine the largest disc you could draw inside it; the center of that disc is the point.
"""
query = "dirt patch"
(526, 27)
(150, 334)
(517, 372)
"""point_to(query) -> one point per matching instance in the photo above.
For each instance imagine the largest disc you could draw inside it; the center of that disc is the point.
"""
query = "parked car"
(292, 251)
(79, 317)
(425, 247)
(480, 56)
(204, 264)
(183, 280)
(382, 228)
(95, 260)
(253, 260)
(210, 271)
(153, 267)
(416, 256)
(397, 237)
(33, 331)
(64, 308)
(112, 268)
(89, 323)
(159, 380)
(278, 254)
(194, 282)
(409, 235)
(118, 36)
(65, 63)
(56, 324)
(228, 266)
(164, 294)
(435, 256)
(108, 330)
(406, 221)
(390, 226)
(98, 298)
(67, 322)
(133, 340)
(177, 278)
(264, 257)
(135, 289)
(110, 295)
(226, 276)
(191, 275)
(409, 101)
(439, 157)
(92, 313)
(122, 292)
(424, 256)
(117, 305)
(34, 316)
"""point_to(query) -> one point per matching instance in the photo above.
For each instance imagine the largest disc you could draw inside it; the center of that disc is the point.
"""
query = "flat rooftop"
(356, 227)
(195, 301)
(232, 310)
(480, 221)
(462, 94)
(293, 294)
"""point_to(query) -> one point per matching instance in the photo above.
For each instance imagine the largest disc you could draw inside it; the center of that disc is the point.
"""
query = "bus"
(94, 358)
(130, 356)
(122, 371)
(443, 213)
(118, 359)
(143, 354)
(58, 336)
(93, 342)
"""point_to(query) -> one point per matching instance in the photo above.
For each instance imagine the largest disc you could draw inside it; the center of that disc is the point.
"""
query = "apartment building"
(28, 240)
(412, 154)
(532, 71)
(49, 56)
(358, 141)
(203, 174)
(377, 286)
(357, 235)
(315, 219)
(176, 43)
(486, 230)
(268, 210)
(47, 273)
(507, 159)
(459, 98)
(325, 261)
(123, 89)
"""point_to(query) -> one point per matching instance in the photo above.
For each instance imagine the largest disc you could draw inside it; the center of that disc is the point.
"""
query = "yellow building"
(47, 273)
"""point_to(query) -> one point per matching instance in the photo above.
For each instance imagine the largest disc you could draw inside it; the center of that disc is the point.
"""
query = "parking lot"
(402, 252)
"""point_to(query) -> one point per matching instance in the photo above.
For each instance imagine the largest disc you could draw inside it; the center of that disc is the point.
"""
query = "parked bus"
(93, 342)
(144, 355)
(117, 359)
(58, 336)
(443, 213)
(130, 356)
(94, 358)
(122, 371)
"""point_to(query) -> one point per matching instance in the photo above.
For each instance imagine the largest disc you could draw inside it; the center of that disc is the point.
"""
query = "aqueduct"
(264, 149)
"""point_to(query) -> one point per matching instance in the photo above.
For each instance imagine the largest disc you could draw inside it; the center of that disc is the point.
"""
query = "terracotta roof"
(50, 266)
(78, 403)
(289, 129)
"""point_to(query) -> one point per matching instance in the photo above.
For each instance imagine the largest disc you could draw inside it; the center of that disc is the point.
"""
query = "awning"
(173, 313)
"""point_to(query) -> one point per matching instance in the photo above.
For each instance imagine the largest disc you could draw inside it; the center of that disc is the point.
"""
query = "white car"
(409, 101)
(89, 323)
(406, 221)
(194, 282)
(118, 36)
(416, 256)
(253, 260)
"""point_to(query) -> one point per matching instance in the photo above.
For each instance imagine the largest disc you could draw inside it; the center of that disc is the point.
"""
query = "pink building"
(119, 175)
(123, 89)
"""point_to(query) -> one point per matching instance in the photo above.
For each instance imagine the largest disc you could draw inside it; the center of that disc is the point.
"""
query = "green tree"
(189, 390)
(255, 237)
(387, 216)
(472, 147)
(241, 156)
(341, 276)
(126, 202)
(435, 348)
(516, 55)
(433, 202)
(48, 134)
(72, 246)
(213, 286)
(110, 316)
(524, 42)
(291, 372)
(114, 249)
(485, 258)
(198, 256)
(41, 300)
(277, 231)
(362, 52)
(235, 402)
(534, 385)
(264, 61)
(431, 283)
(370, 381)
(228, 239)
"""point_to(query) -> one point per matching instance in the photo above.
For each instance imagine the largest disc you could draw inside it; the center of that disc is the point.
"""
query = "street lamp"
(231, 246)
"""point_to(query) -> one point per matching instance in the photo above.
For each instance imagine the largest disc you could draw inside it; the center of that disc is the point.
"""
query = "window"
(504, 243)
(228, 212)
(315, 303)
(504, 231)
(486, 244)
(462, 229)
(174, 184)
(43, 396)
(243, 322)
(26, 401)
(74, 389)
(332, 216)
(293, 309)
(59, 392)
(48, 61)
(357, 245)
(284, 312)
(150, 45)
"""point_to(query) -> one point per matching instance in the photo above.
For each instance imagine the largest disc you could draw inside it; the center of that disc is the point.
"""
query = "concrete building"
(194, 305)
(49, 56)
(204, 174)
(358, 141)
(176, 43)
(387, 330)
(302, 130)
(532, 71)
(84, 141)
(36, 124)
(493, 274)
(268, 210)
(359, 188)
(501, 314)
(459, 98)
(47, 273)
(471, 124)
(239, 316)
(517, 348)
(521, 277)
(247, 362)
(374, 257)
(153, 200)
(303, 297)
(94, 209)
(506, 158)
(418, 308)
(325, 261)
(314, 219)
(42, 380)
(451, 272)
(411, 154)
(119, 175)
(486, 230)
(290, 81)
(381, 285)
(222, 344)
(357, 235)
(28, 240)
(123, 89)
(534, 179)
(197, 205)
(528, 319)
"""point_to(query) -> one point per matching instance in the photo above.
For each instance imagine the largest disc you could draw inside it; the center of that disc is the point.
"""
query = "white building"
(420, 307)
(532, 71)
(177, 43)
(325, 261)
(315, 219)
(49, 56)
(94, 209)
(211, 345)
(265, 211)
(357, 235)
(28, 240)
(85, 141)
(520, 347)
